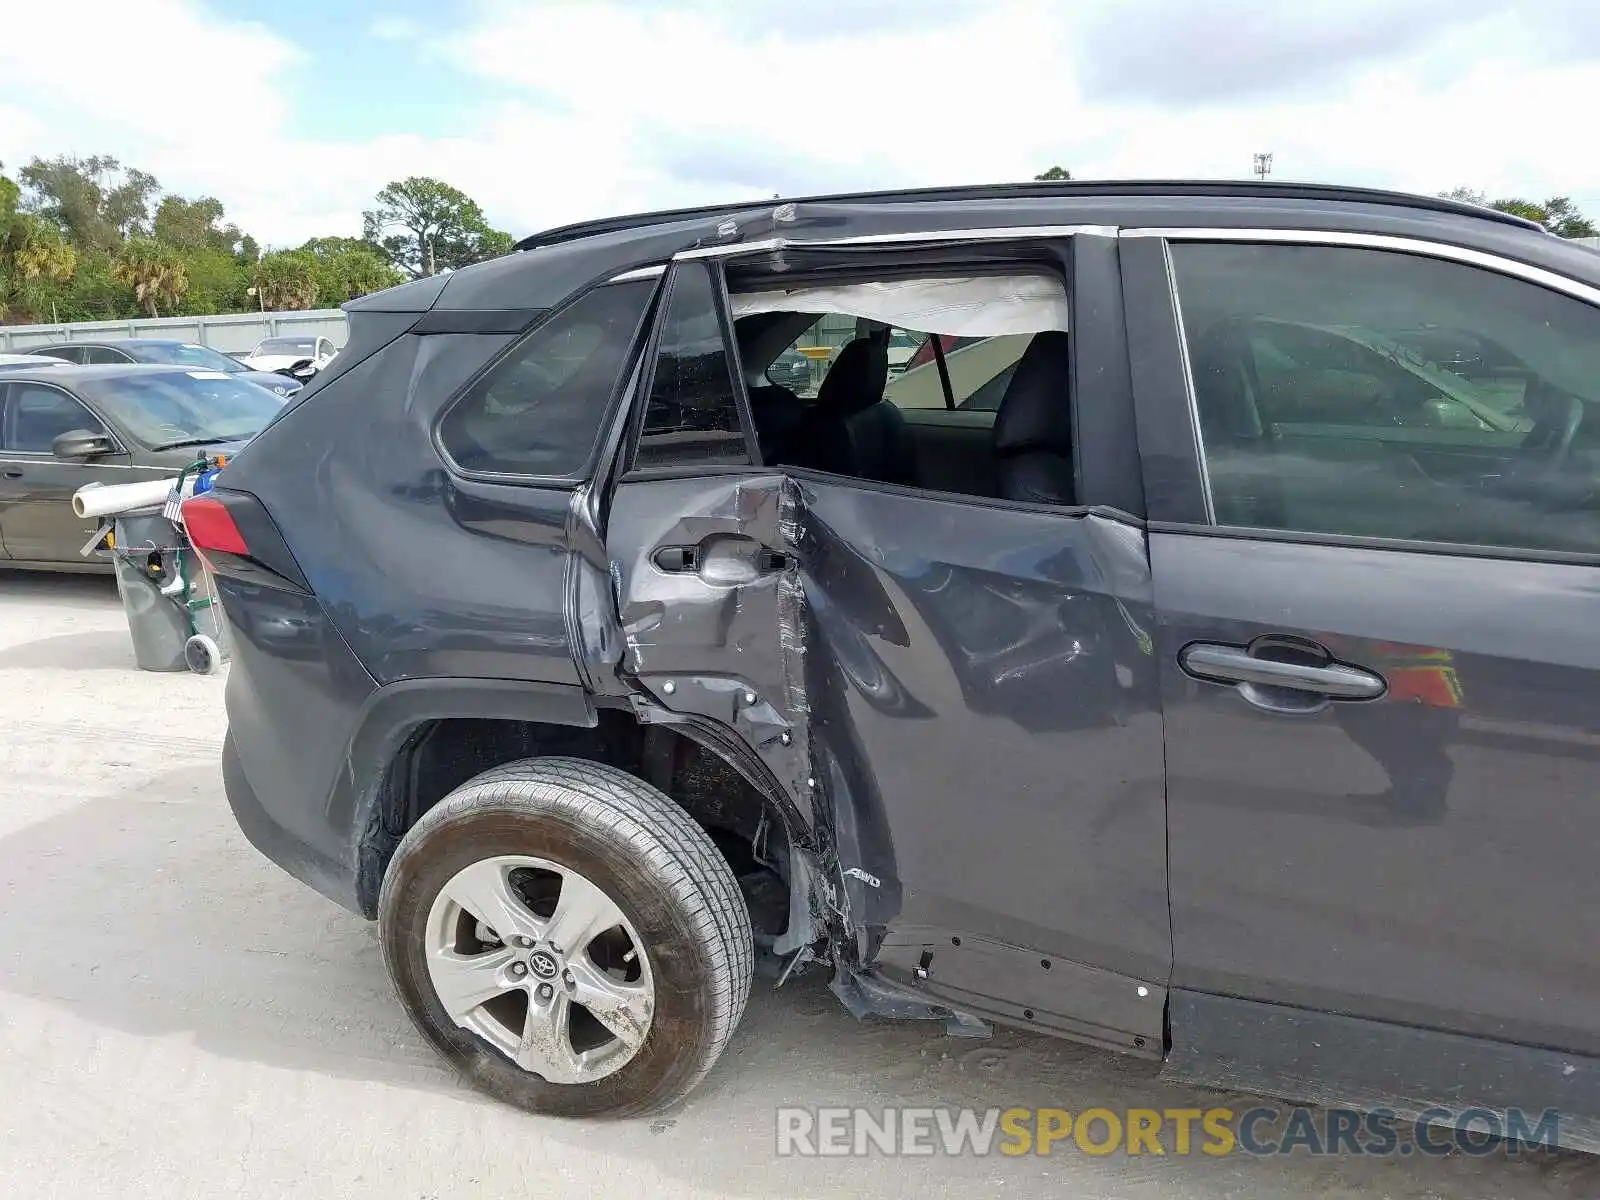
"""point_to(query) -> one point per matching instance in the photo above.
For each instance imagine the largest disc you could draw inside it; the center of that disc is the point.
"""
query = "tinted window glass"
(36, 415)
(693, 415)
(539, 410)
(104, 354)
(72, 354)
(186, 354)
(1377, 394)
(184, 408)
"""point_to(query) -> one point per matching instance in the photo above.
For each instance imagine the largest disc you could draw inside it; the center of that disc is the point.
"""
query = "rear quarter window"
(539, 410)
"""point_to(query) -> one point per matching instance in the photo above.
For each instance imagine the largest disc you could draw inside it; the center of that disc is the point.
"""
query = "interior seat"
(778, 415)
(874, 430)
(1033, 427)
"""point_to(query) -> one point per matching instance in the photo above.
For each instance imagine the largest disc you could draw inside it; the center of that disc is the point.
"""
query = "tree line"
(1558, 214)
(85, 239)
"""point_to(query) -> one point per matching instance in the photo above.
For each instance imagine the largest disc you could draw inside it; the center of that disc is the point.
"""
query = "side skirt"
(1326, 1059)
(1013, 985)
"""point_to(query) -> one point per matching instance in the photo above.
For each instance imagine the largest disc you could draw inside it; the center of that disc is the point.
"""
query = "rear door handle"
(676, 560)
(12, 473)
(724, 559)
(1235, 664)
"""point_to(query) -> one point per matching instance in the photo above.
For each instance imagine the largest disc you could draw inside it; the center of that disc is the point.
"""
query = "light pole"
(259, 295)
(1263, 166)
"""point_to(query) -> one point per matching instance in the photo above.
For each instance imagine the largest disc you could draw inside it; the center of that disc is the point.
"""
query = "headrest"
(856, 380)
(1036, 412)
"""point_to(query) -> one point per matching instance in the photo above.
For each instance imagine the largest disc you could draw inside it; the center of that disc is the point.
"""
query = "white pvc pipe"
(109, 499)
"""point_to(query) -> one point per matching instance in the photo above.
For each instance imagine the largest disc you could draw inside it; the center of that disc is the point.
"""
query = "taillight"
(233, 533)
(211, 527)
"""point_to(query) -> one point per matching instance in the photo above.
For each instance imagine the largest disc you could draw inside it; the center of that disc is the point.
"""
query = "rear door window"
(538, 410)
(693, 412)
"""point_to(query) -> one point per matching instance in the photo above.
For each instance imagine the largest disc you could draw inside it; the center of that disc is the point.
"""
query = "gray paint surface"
(1393, 858)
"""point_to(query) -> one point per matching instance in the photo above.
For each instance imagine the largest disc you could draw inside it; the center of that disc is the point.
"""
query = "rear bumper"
(294, 693)
(333, 879)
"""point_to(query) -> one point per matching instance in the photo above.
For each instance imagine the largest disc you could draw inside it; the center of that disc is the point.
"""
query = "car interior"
(1002, 429)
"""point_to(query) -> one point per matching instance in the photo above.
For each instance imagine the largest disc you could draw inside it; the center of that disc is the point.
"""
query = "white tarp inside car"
(987, 306)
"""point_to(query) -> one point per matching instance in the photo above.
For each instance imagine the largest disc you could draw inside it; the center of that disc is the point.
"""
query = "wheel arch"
(417, 740)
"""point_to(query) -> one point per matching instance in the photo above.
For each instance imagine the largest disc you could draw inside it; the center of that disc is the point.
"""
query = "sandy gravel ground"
(179, 1018)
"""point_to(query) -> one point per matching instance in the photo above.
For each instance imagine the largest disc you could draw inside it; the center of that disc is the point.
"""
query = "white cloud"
(182, 74)
(1455, 94)
(601, 106)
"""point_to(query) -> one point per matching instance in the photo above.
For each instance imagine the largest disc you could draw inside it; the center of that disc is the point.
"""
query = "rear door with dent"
(956, 692)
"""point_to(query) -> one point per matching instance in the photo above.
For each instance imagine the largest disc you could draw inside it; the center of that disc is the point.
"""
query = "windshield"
(176, 408)
(186, 354)
(306, 346)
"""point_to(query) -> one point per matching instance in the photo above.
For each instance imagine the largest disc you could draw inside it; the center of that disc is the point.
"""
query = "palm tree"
(286, 279)
(31, 253)
(154, 272)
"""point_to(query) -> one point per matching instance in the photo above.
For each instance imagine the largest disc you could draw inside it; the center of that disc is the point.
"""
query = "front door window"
(1368, 393)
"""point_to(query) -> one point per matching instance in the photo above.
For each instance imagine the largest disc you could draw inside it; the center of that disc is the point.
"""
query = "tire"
(648, 857)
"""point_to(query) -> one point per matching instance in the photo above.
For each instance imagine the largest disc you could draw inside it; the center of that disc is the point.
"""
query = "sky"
(294, 112)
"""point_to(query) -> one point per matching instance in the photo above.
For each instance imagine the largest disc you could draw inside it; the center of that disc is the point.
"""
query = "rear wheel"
(567, 938)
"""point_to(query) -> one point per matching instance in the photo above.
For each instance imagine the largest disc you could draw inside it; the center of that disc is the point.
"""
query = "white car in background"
(281, 353)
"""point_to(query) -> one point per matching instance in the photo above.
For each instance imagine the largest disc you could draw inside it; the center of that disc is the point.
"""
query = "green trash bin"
(166, 594)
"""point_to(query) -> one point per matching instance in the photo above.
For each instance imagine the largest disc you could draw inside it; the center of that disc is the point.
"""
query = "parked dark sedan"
(64, 426)
(167, 351)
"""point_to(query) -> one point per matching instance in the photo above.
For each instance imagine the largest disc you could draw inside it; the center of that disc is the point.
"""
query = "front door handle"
(12, 473)
(1237, 665)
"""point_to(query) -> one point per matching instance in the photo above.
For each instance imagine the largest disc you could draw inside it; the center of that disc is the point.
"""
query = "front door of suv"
(1378, 584)
(957, 691)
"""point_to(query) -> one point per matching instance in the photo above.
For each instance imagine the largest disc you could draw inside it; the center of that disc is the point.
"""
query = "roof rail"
(1241, 189)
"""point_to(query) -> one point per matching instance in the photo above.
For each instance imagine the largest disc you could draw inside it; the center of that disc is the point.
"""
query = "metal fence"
(231, 333)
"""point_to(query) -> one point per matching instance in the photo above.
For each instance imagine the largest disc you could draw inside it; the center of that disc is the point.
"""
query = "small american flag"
(172, 510)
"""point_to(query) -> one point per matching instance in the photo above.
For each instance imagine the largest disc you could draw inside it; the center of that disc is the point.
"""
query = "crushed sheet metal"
(703, 644)
(791, 620)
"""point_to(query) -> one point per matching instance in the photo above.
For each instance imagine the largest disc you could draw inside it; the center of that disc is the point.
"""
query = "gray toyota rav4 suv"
(1227, 693)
